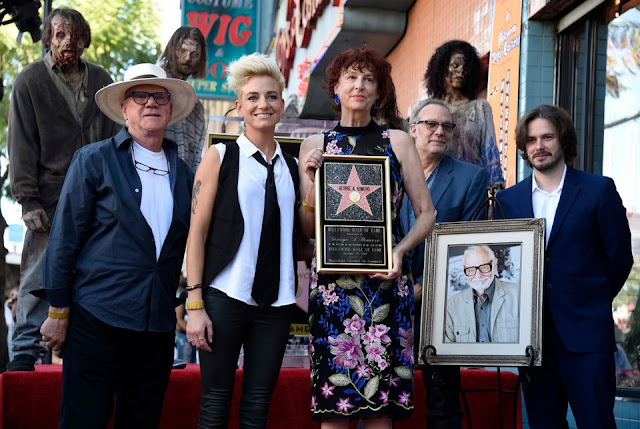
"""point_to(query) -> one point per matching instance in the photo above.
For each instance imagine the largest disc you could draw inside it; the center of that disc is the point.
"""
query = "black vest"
(227, 224)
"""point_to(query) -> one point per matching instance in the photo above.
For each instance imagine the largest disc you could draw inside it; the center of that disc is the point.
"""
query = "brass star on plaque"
(354, 192)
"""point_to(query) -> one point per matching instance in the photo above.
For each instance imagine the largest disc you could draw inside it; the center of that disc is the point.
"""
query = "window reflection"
(621, 161)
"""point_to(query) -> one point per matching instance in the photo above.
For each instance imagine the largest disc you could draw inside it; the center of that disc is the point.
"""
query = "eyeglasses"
(433, 125)
(141, 97)
(144, 167)
(484, 269)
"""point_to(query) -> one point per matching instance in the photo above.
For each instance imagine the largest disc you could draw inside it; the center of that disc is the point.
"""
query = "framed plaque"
(353, 214)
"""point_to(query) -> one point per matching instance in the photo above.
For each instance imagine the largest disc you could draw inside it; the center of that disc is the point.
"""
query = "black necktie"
(267, 279)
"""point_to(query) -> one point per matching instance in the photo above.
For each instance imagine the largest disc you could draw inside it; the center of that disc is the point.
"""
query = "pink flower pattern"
(383, 364)
(407, 343)
(344, 405)
(403, 286)
(380, 333)
(405, 398)
(332, 148)
(393, 381)
(327, 390)
(328, 295)
(374, 351)
(396, 198)
(347, 350)
(363, 371)
(354, 325)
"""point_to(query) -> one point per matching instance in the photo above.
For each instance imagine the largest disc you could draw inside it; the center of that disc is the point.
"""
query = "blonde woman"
(240, 263)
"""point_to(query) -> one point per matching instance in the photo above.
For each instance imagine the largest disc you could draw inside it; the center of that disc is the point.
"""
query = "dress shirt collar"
(535, 187)
(248, 148)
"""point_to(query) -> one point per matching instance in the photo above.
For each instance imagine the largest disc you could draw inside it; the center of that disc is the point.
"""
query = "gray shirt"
(483, 314)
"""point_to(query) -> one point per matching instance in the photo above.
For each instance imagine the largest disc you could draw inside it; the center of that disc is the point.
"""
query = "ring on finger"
(201, 338)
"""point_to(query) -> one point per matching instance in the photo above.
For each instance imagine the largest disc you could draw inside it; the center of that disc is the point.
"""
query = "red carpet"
(31, 400)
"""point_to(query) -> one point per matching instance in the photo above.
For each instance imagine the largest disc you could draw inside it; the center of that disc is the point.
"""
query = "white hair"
(482, 247)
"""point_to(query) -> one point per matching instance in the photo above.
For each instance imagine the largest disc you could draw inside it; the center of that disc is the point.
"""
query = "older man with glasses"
(114, 257)
(457, 190)
(487, 310)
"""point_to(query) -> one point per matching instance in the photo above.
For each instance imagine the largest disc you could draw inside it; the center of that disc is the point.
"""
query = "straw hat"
(183, 96)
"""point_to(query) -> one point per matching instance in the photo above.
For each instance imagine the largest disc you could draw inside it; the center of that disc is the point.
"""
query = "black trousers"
(102, 361)
(264, 333)
(586, 381)
(442, 386)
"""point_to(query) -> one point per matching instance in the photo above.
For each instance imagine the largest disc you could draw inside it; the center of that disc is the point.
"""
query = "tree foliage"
(123, 32)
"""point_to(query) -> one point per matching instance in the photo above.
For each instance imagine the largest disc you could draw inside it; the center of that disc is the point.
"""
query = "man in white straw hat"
(114, 257)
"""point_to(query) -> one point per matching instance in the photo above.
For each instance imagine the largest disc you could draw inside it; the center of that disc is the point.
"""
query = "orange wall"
(431, 23)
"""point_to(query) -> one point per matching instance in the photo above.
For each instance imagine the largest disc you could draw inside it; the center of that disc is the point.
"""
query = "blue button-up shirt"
(101, 253)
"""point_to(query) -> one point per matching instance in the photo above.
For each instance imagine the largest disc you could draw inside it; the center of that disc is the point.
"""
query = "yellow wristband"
(55, 315)
(195, 305)
(307, 207)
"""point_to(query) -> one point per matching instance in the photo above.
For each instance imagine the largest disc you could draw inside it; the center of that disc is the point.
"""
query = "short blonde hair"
(248, 66)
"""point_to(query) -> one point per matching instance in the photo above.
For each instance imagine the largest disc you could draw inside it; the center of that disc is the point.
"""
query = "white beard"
(481, 286)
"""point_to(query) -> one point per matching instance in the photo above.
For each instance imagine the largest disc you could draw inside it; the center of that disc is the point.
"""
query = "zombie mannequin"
(52, 114)
(453, 76)
(186, 56)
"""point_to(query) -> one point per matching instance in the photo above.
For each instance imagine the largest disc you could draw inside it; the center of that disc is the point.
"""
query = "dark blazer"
(587, 259)
(101, 253)
(457, 190)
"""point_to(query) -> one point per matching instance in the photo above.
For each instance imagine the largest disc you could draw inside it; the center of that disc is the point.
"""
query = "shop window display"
(621, 161)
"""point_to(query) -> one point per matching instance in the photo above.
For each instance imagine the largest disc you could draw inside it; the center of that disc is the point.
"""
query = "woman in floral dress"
(361, 329)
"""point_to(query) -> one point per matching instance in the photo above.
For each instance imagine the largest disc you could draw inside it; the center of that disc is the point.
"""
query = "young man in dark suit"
(587, 260)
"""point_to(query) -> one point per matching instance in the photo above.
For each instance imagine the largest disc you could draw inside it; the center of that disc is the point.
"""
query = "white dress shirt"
(545, 203)
(236, 279)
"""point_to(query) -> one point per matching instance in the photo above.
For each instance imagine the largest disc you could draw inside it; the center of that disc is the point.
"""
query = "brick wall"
(430, 24)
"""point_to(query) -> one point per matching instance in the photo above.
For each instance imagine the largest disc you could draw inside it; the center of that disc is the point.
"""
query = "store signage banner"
(301, 20)
(229, 29)
(504, 75)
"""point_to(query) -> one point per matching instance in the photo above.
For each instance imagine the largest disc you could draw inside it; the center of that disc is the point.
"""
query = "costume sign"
(353, 214)
(229, 29)
(504, 73)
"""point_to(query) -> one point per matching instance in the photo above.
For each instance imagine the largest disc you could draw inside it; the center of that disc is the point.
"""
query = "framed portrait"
(482, 295)
(353, 214)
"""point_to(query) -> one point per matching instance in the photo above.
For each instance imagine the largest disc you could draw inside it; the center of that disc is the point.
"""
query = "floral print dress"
(361, 330)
